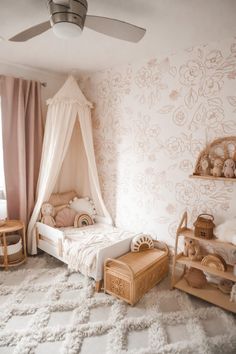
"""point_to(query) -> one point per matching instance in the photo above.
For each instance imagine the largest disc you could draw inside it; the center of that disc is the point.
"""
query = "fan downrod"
(75, 12)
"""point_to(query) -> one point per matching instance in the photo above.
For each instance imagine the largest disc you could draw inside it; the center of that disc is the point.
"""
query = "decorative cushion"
(65, 217)
(83, 219)
(57, 199)
(141, 243)
(83, 204)
(59, 207)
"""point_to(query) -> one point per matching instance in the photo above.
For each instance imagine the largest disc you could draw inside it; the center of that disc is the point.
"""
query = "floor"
(46, 309)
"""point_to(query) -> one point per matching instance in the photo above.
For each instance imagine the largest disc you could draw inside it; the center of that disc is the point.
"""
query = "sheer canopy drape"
(67, 105)
(22, 130)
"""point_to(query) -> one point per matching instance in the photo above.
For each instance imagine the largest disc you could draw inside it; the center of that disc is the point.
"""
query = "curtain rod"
(42, 83)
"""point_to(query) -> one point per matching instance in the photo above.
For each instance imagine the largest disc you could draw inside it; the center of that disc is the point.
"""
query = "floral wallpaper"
(151, 119)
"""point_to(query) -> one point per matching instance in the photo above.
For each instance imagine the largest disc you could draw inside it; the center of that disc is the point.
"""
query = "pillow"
(83, 204)
(57, 199)
(82, 219)
(65, 217)
(59, 207)
(141, 242)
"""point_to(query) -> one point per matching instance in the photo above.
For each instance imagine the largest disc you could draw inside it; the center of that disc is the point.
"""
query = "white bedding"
(82, 245)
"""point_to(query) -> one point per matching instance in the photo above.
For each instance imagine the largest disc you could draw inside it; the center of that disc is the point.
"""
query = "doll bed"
(57, 242)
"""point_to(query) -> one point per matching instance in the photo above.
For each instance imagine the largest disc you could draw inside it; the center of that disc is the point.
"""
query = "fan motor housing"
(74, 13)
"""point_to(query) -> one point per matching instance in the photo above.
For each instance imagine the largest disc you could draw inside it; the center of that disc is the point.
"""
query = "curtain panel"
(22, 130)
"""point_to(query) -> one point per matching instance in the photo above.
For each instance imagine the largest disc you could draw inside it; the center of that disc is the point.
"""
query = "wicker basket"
(14, 249)
(204, 226)
(2, 222)
(130, 276)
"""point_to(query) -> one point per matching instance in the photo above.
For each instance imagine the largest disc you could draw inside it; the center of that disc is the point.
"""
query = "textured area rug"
(46, 309)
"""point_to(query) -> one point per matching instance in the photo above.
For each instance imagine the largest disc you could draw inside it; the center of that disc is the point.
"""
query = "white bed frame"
(50, 240)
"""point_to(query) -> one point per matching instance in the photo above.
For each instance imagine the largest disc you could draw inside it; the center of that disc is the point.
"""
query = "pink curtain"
(22, 129)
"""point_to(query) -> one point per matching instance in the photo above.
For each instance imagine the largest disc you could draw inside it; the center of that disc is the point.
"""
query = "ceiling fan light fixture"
(66, 30)
(68, 18)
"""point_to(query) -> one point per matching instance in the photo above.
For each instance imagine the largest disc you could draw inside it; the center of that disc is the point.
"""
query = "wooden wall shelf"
(214, 178)
(209, 292)
(221, 148)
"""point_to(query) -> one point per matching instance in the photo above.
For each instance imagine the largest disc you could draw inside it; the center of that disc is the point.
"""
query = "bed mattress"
(81, 246)
(85, 249)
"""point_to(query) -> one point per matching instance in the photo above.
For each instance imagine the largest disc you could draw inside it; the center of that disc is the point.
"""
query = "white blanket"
(81, 245)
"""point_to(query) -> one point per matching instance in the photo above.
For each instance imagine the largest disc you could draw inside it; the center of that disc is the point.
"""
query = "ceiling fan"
(68, 18)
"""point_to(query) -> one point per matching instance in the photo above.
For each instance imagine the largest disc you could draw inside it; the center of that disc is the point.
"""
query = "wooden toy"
(204, 226)
(214, 261)
(141, 243)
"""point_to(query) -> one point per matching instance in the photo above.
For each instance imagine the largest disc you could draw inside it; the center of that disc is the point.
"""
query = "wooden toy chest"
(130, 276)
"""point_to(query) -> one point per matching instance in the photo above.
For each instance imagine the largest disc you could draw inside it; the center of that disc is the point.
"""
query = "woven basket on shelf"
(204, 226)
(14, 249)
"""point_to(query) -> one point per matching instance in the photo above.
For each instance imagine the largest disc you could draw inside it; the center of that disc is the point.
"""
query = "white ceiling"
(171, 25)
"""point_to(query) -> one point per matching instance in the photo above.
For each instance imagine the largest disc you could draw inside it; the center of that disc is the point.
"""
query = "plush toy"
(48, 212)
(217, 168)
(229, 167)
(205, 166)
(192, 249)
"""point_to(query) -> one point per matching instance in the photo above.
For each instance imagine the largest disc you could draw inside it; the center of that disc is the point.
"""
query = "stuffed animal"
(229, 167)
(205, 166)
(217, 168)
(48, 212)
(192, 249)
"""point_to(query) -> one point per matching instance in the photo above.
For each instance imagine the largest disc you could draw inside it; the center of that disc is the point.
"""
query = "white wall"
(150, 122)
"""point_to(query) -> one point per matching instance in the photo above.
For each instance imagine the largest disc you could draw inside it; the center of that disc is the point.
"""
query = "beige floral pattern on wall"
(151, 120)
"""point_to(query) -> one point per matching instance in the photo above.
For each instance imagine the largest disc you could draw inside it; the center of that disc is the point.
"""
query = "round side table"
(8, 227)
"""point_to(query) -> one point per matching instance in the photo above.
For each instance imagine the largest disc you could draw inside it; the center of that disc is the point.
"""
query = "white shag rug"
(46, 309)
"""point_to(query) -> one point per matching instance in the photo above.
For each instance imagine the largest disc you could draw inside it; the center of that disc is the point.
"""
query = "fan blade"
(115, 28)
(31, 32)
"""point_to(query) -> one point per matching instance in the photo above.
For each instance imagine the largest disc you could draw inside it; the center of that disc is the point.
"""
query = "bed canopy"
(68, 160)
